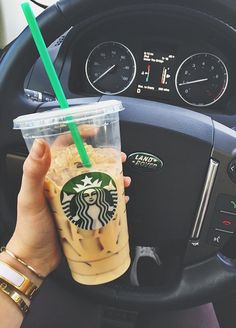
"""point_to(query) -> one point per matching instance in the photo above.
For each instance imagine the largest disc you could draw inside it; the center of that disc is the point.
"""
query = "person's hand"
(35, 239)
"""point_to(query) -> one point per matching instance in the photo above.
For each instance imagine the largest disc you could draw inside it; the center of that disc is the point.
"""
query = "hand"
(35, 238)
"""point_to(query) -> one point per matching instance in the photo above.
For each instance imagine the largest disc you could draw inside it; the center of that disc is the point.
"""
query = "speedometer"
(201, 79)
(110, 68)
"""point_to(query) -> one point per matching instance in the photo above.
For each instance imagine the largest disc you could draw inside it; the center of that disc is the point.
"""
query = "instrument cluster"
(198, 78)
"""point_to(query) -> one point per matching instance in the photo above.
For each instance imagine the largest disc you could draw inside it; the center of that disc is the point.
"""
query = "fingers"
(127, 182)
(85, 130)
(63, 140)
(126, 199)
(88, 130)
(36, 165)
(123, 157)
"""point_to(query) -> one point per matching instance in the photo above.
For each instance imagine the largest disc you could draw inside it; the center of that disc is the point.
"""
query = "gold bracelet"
(4, 249)
(18, 300)
(17, 280)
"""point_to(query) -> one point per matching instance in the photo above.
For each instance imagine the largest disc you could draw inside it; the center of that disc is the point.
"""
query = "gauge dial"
(110, 68)
(201, 79)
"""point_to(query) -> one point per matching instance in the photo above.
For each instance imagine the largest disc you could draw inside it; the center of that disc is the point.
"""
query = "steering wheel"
(181, 208)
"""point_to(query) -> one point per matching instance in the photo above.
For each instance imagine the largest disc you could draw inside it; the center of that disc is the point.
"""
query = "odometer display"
(110, 68)
(202, 79)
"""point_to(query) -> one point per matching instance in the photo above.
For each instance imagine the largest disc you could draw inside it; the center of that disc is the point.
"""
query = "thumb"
(36, 165)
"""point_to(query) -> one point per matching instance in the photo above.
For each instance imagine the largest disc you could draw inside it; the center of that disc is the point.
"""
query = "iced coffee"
(89, 203)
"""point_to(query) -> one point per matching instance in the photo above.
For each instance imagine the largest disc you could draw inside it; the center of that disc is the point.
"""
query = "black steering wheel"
(179, 209)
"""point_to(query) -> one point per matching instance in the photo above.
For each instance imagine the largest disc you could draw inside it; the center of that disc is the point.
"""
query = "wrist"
(8, 311)
(17, 285)
(4, 257)
(41, 259)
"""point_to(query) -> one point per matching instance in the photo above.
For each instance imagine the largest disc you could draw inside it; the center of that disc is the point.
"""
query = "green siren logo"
(89, 200)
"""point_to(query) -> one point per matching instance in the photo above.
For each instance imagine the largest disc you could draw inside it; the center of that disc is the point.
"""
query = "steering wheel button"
(232, 170)
(226, 221)
(218, 237)
(226, 204)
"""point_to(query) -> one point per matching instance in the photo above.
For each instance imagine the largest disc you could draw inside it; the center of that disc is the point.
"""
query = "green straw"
(52, 75)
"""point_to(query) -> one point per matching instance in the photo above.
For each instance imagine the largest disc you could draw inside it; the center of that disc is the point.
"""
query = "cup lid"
(67, 115)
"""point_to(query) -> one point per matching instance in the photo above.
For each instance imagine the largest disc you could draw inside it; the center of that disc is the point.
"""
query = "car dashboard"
(170, 56)
(175, 56)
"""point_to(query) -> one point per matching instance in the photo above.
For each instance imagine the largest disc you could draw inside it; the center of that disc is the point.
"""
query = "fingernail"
(128, 180)
(126, 199)
(37, 151)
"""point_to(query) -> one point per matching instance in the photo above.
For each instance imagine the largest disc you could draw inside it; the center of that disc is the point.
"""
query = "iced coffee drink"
(90, 213)
(87, 201)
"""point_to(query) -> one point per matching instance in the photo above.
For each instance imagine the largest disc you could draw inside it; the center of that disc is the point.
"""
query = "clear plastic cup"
(88, 203)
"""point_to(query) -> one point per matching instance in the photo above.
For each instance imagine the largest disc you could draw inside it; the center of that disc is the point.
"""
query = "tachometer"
(201, 79)
(110, 68)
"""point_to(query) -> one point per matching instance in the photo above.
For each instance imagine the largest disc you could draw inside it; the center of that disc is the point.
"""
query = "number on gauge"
(201, 79)
(110, 68)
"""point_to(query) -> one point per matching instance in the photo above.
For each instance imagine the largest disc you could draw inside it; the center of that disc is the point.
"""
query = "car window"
(10, 27)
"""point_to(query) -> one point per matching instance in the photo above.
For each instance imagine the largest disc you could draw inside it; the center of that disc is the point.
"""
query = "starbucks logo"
(89, 200)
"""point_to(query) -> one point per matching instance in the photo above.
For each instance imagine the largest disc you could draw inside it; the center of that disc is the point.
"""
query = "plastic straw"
(52, 75)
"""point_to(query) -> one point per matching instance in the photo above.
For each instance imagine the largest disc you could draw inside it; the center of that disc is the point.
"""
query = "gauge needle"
(148, 72)
(192, 82)
(103, 74)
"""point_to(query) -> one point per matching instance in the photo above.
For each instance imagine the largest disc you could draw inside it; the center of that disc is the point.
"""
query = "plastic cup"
(88, 203)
